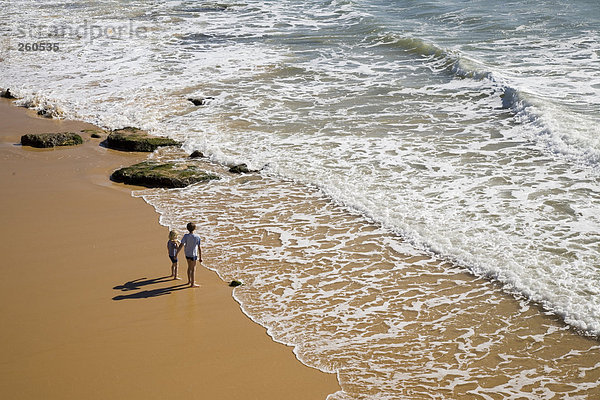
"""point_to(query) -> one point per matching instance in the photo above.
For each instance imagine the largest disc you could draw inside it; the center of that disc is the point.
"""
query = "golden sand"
(71, 242)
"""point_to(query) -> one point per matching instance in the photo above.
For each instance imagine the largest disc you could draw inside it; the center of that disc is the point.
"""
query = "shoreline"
(71, 335)
(476, 322)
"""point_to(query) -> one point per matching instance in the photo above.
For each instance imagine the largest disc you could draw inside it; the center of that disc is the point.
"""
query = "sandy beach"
(409, 192)
(88, 308)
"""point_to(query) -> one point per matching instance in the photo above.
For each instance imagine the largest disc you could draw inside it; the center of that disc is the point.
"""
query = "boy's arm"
(199, 252)
(179, 247)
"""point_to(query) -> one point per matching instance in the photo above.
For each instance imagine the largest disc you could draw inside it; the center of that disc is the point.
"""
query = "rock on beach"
(47, 140)
(134, 139)
(154, 174)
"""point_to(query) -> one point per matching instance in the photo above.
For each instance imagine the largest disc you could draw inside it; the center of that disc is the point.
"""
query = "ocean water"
(426, 222)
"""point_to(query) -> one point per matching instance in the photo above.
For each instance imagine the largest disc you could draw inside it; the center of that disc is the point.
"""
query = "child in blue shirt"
(193, 252)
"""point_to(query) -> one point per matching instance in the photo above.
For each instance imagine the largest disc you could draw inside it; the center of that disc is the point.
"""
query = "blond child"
(172, 247)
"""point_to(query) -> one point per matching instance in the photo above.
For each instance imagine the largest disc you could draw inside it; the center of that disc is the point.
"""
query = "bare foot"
(194, 285)
(176, 277)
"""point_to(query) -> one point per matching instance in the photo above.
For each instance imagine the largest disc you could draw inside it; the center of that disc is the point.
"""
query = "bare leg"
(191, 272)
(174, 271)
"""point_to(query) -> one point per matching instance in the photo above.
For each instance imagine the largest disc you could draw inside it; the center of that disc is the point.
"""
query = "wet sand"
(394, 321)
(87, 307)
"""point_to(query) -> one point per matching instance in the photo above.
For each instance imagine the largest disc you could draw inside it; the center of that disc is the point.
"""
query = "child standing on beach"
(172, 247)
(193, 252)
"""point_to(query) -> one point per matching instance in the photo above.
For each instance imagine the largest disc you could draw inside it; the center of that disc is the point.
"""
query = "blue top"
(191, 241)
(172, 247)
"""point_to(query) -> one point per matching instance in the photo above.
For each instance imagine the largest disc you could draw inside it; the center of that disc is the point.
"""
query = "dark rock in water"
(165, 175)
(6, 94)
(44, 140)
(200, 101)
(210, 8)
(134, 139)
(241, 169)
(95, 133)
(45, 113)
(197, 154)
(235, 283)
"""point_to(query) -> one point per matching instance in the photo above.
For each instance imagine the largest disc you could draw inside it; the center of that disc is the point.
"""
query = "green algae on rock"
(154, 174)
(45, 140)
(134, 139)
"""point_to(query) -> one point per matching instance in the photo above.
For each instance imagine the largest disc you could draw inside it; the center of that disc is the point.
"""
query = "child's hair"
(191, 227)
(172, 235)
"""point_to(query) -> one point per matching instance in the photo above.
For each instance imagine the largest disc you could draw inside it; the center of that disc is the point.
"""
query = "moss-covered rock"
(44, 140)
(133, 139)
(166, 175)
(197, 154)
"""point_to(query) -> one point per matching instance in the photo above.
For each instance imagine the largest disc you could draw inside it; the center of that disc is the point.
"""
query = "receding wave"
(44, 106)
